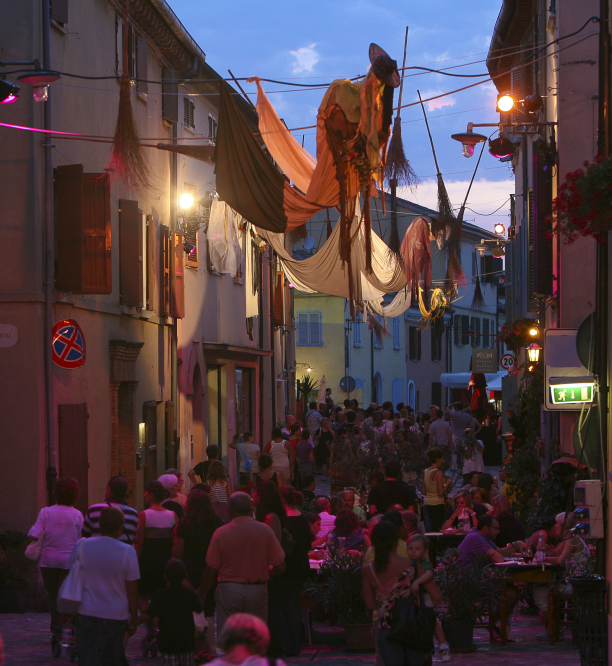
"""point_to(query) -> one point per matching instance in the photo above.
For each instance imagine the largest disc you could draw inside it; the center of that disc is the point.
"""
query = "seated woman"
(347, 527)
(471, 483)
(481, 496)
(314, 522)
(462, 502)
(510, 529)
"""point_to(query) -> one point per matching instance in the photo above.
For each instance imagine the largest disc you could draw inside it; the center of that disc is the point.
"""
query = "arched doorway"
(412, 394)
(197, 411)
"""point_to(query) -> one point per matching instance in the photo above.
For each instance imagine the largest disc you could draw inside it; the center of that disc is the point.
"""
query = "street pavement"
(27, 643)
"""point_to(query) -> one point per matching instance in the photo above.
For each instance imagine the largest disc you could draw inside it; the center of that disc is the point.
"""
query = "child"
(174, 607)
(246, 485)
(418, 549)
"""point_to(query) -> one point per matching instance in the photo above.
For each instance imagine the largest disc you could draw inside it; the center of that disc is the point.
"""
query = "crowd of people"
(217, 575)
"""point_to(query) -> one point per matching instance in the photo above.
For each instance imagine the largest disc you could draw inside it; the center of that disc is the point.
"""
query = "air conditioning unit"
(588, 494)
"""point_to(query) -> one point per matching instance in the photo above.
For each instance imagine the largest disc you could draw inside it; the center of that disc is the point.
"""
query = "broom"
(127, 161)
(446, 221)
(398, 170)
(478, 301)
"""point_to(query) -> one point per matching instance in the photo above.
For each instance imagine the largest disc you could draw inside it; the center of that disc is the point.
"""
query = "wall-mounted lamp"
(9, 92)
(40, 80)
(505, 102)
(468, 140)
(533, 352)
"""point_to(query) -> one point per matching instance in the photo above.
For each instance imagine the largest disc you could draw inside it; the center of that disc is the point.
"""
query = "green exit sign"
(572, 393)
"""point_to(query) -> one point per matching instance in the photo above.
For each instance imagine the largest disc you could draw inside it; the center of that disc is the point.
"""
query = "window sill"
(143, 97)
(191, 130)
(58, 27)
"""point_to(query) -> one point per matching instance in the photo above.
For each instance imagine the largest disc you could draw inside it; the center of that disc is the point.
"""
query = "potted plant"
(15, 573)
(515, 334)
(340, 587)
(468, 594)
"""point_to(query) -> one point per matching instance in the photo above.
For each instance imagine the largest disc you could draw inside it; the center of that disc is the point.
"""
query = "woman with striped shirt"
(219, 489)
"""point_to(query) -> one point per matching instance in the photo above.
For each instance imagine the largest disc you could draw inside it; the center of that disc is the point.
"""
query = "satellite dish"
(309, 243)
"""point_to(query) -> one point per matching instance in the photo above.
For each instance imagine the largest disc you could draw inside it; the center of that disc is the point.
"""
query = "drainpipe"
(261, 345)
(48, 263)
(273, 277)
(174, 328)
(372, 367)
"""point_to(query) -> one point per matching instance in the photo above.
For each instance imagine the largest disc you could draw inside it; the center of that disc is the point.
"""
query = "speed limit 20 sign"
(507, 361)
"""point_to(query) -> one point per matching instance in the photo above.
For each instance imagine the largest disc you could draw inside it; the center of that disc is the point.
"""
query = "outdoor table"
(439, 542)
(519, 572)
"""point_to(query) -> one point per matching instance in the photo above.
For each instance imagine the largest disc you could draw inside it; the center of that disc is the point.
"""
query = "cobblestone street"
(27, 642)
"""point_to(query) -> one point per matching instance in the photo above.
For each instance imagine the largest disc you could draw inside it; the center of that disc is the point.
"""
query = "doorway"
(243, 399)
(215, 406)
(197, 420)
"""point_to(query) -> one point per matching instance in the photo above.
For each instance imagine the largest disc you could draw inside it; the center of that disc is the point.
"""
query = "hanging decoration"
(379, 330)
(478, 301)
(416, 255)
(127, 162)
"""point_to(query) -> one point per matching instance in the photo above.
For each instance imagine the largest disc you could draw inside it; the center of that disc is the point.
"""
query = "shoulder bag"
(70, 593)
(33, 551)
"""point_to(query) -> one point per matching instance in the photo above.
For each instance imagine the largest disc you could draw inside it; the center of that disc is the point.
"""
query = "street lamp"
(505, 102)
(468, 140)
(40, 80)
(9, 92)
(533, 352)
(499, 229)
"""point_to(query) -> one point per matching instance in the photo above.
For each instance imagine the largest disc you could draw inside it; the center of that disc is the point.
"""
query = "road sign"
(68, 344)
(484, 360)
(348, 384)
(507, 361)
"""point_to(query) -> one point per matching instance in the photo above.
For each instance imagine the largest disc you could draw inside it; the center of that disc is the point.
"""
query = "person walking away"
(174, 607)
(191, 542)
(242, 580)
(170, 484)
(325, 437)
(388, 578)
(266, 473)
(59, 526)
(110, 593)
(391, 491)
(116, 493)
(304, 452)
(285, 590)
(154, 539)
(418, 551)
(201, 469)
(269, 508)
(282, 456)
(459, 419)
(313, 418)
(473, 460)
(434, 487)
(440, 431)
(245, 639)
(247, 453)
(219, 489)
(178, 495)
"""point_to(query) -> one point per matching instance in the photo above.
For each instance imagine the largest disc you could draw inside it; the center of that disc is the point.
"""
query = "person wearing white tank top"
(283, 456)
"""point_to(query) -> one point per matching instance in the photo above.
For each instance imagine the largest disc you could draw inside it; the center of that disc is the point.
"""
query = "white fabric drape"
(251, 296)
(224, 247)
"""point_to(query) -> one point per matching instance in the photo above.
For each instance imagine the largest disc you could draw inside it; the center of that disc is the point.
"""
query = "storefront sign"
(68, 344)
(8, 335)
(484, 360)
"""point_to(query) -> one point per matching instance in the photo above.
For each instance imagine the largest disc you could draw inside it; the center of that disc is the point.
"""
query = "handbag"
(201, 623)
(413, 625)
(33, 551)
(71, 592)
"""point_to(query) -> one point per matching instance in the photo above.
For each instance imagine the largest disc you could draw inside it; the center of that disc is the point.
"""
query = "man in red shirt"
(242, 555)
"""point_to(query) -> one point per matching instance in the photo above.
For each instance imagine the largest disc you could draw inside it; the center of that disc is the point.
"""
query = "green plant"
(468, 591)
(341, 581)
(515, 334)
(305, 387)
(583, 204)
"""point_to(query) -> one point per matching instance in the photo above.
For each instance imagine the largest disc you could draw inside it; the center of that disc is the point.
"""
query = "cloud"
(305, 59)
(437, 103)
(485, 197)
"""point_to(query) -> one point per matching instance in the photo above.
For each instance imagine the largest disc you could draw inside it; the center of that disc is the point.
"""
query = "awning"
(460, 380)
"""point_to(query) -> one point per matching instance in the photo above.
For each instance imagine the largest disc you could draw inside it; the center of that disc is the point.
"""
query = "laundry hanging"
(222, 234)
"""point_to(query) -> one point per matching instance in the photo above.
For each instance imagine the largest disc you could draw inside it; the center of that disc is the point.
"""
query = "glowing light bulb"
(505, 103)
(186, 201)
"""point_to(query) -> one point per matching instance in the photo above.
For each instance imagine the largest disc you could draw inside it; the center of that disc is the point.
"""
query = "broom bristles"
(478, 302)
(398, 167)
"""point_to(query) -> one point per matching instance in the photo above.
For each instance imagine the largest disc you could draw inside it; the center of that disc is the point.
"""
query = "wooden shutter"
(160, 414)
(288, 293)
(150, 420)
(73, 457)
(457, 334)
(178, 277)
(396, 333)
(303, 337)
(170, 97)
(165, 293)
(465, 326)
(436, 346)
(357, 332)
(141, 64)
(151, 295)
(436, 393)
(130, 254)
(412, 342)
(83, 231)
(418, 338)
(487, 339)
(59, 11)
(171, 453)
(542, 269)
(316, 339)
(279, 291)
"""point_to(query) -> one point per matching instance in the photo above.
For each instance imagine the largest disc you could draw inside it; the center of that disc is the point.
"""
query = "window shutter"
(151, 295)
(171, 452)
(465, 326)
(542, 208)
(436, 393)
(316, 339)
(357, 332)
(418, 337)
(487, 339)
(170, 97)
(396, 333)
(165, 294)
(130, 254)
(178, 277)
(132, 66)
(411, 343)
(59, 11)
(191, 236)
(141, 64)
(436, 346)
(279, 300)
(457, 334)
(303, 333)
(188, 112)
(287, 305)
(83, 231)
(73, 459)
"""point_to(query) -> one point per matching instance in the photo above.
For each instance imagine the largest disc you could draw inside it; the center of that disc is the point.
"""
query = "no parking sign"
(68, 344)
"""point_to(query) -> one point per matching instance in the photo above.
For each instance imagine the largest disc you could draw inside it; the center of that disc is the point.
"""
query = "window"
(279, 300)
(191, 226)
(165, 286)
(436, 394)
(130, 254)
(462, 325)
(136, 56)
(487, 339)
(188, 113)
(396, 333)
(59, 11)
(170, 96)
(475, 335)
(83, 226)
(357, 332)
(150, 263)
(309, 329)
(414, 335)
(212, 127)
(377, 342)
(436, 345)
